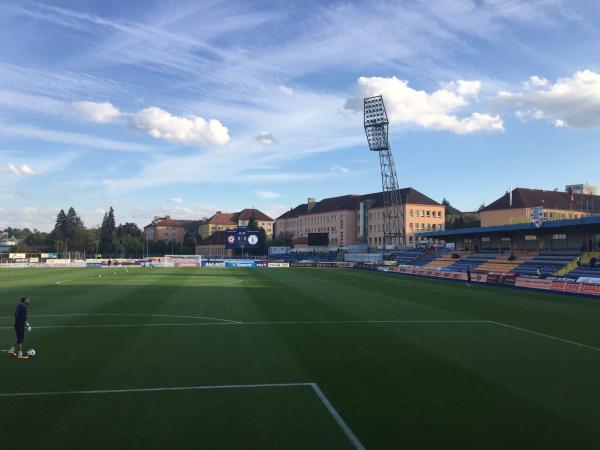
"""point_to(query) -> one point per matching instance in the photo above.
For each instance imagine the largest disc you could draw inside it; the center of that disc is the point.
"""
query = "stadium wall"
(497, 279)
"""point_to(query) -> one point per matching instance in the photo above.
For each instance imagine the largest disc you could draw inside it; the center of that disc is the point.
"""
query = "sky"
(186, 108)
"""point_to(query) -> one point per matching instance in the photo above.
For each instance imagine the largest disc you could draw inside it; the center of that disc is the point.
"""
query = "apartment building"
(223, 221)
(358, 219)
(517, 206)
(166, 229)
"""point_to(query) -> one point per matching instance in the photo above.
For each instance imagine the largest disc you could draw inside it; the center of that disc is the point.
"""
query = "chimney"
(311, 203)
(570, 192)
(510, 197)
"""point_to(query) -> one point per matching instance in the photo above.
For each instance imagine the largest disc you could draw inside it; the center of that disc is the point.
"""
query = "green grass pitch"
(237, 358)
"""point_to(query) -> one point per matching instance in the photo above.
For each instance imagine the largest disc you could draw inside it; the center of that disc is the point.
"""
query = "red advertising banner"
(503, 278)
(534, 283)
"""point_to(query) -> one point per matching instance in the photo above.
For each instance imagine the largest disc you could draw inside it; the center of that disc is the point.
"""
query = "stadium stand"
(309, 257)
(438, 253)
(547, 262)
(471, 261)
(442, 262)
(504, 263)
(587, 271)
(408, 256)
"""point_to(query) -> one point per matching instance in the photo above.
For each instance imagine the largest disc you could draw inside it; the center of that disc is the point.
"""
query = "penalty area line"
(313, 386)
(548, 336)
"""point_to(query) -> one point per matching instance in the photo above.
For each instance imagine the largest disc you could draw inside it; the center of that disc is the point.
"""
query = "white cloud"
(97, 112)
(286, 90)
(268, 195)
(464, 87)
(66, 137)
(192, 130)
(266, 138)
(436, 110)
(28, 216)
(26, 169)
(536, 81)
(340, 169)
(13, 169)
(573, 101)
(22, 169)
(176, 200)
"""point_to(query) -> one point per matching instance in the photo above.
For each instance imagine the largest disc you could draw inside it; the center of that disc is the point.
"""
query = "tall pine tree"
(108, 233)
(59, 233)
(75, 232)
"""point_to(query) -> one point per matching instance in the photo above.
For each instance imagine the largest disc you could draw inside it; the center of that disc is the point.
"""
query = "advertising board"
(278, 265)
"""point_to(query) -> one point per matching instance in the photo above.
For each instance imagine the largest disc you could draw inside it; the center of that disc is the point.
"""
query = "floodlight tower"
(376, 129)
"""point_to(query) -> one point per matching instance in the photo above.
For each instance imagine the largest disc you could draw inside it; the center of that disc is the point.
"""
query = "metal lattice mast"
(376, 129)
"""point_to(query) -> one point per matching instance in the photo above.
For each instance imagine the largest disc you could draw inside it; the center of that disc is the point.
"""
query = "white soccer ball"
(99, 276)
(31, 352)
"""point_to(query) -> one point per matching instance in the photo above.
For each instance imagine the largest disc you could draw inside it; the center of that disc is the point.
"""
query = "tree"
(130, 239)
(108, 234)
(263, 246)
(445, 202)
(189, 243)
(60, 227)
(74, 231)
(252, 223)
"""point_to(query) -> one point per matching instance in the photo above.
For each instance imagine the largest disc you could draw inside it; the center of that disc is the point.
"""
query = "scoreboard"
(241, 238)
(318, 239)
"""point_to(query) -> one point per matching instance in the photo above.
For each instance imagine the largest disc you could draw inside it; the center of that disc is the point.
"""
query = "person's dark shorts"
(20, 334)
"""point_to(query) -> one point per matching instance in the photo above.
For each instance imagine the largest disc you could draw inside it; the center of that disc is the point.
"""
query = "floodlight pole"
(376, 128)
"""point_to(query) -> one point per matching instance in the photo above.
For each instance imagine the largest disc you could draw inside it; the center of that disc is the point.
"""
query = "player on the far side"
(20, 325)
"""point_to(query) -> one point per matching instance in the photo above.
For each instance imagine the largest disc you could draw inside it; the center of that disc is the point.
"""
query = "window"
(530, 237)
(410, 212)
(428, 213)
(559, 236)
(422, 213)
(440, 214)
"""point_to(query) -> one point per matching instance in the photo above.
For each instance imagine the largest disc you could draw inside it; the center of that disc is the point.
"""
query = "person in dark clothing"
(21, 325)
(468, 276)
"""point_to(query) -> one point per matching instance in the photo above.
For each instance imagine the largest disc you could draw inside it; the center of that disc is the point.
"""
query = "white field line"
(548, 336)
(232, 323)
(314, 387)
(130, 281)
(336, 416)
(129, 315)
(333, 322)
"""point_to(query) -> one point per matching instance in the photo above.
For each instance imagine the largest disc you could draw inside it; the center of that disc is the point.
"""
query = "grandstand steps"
(577, 270)
(440, 263)
(502, 263)
(572, 265)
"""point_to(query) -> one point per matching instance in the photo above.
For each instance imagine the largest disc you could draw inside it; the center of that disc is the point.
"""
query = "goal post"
(183, 260)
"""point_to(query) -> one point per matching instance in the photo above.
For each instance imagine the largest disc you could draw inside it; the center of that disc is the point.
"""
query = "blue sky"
(185, 108)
